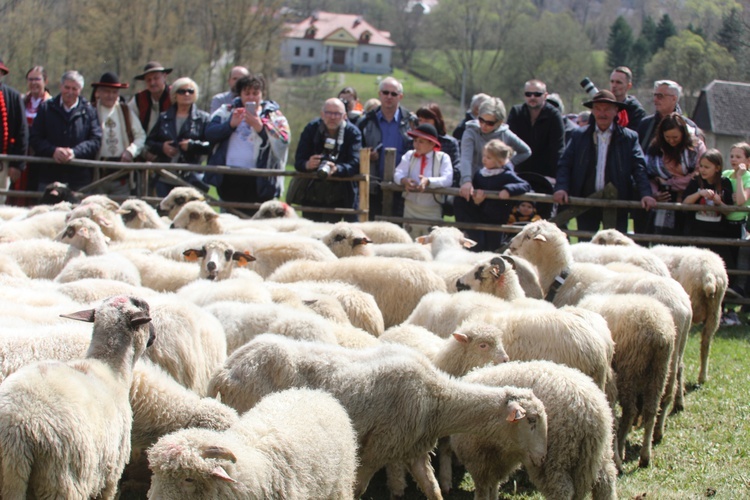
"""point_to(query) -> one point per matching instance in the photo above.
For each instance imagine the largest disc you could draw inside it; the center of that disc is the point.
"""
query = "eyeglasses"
(334, 114)
(34, 78)
(487, 122)
(184, 91)
(390, 93)
(533, 94)
(659, 95)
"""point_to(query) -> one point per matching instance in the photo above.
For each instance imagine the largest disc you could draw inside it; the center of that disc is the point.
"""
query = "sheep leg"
(649, 419)
(364, 474)
(605, 487)
(679, 394)
(445, 474)
(395, 473)
(707, 335)
(424, 475)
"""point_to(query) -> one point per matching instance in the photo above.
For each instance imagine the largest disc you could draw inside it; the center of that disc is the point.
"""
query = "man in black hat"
(123, 137)
(14, 132)
(154, 99)
(603, 152)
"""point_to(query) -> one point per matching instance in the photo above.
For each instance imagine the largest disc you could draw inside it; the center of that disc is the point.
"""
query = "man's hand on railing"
(560, 197)
(648, 202)
(466, 191)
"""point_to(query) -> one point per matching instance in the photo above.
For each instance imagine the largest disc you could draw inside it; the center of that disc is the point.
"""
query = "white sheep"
(65, 427)
(110, 267)
(384, 232)
(546, 246)
(217, 259)
(137, 214)
(159, 273)
(348, 240)
(702, 273)
(171, 204)
(9, 267)
(449, 272)
(198, 217)
(396, 284)
(441, 312)
(45, 225)
(245, 289)
(496, 276)
(89, 290)
(297, 444)
(579, 435)
(604, 254)
(399, 403)
(643, 332)
(275, 209)
(108, 219)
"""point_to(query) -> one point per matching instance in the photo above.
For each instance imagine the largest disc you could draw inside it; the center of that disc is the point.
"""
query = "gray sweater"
(472, 144)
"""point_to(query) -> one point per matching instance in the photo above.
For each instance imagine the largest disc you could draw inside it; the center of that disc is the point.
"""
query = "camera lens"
(324, 170)
(589, 87)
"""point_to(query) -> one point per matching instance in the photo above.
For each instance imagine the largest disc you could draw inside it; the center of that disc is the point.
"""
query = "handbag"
(295, 193)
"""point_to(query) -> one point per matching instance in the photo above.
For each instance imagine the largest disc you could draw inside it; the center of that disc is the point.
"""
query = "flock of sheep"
(275, 357)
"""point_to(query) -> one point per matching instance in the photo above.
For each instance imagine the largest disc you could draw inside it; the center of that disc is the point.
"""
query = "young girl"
(709, 188)
(738, 175)
(523, 213)
(495, 176)
(423, 166)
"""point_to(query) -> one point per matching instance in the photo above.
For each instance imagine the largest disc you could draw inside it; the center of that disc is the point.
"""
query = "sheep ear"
(515, 412)
(139, 320)
(424, 240)
(219, 473)
(87, 315)
(211, 216)
(192, 255)
(467, 243)
(540, 237)
(461, 337)
(243, 258)
(218, 452)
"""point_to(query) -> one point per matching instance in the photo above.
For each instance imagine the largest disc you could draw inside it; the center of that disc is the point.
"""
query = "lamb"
(137, 214)
(171, 204)
(371, 384)
(323, 305)
(107, 219)
(604, 254)
(579, 435)
(42, 226)
(703, 275)
(111, 267)
(198, 217)
(159, 273)
(275, 250)
(101, 199)
(496, 277)
(83, 404)
(296, 444)
(643, 332)
(396, 284)
(612, 237)
(275, 209)
(217, 259)
(545, 245)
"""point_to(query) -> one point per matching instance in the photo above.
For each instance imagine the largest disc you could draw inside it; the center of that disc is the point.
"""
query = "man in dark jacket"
(620, 81)
(66, 127)
(330, 146)
(601, 153)
(540, 125)
(15, 139)
(385, 127)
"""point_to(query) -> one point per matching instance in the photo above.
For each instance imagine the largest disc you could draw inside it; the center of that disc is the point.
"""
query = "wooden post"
(388, 169)
(609, 215)
(364, 185)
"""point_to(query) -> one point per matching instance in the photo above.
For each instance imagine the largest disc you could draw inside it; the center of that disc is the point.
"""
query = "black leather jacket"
(193, 129)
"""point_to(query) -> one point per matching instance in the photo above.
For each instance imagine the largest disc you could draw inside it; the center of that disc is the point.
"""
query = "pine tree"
(730, 34)
(619, 43)
(664, 30)
(643, 48)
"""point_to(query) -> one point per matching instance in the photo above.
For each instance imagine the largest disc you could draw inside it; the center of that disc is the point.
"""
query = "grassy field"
(705, 452)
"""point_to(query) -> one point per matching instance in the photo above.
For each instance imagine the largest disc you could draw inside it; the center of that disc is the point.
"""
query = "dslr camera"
(329, 157)
(589, 87)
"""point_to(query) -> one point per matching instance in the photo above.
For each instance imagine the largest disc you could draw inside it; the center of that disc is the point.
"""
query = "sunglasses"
(388, 92)
(534, 94)
(487, 122)
(185, 91)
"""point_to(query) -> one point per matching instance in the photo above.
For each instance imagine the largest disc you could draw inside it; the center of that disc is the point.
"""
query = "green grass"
(705, 450)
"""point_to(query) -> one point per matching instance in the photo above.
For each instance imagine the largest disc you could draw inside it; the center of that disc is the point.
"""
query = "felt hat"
(3, 67)
(426, 131)
(111, 80)
(604, 96)
(152, 67)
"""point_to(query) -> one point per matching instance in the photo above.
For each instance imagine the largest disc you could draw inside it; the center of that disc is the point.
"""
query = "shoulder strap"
(126, 118)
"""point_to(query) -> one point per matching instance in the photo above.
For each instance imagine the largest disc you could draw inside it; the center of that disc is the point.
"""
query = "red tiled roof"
(327, 23)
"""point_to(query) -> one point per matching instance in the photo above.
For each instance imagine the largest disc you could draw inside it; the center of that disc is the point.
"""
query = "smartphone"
(250, 107)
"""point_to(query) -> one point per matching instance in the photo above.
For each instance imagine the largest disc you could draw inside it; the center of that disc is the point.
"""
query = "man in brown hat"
(14, 132)
(601, 153)
(123, 137)
(154, 99)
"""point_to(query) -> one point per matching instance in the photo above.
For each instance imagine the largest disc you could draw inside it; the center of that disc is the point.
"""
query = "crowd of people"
(658, 157)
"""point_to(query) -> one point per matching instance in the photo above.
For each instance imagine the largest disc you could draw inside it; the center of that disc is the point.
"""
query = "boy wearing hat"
(422, 167)
(123, 136)
(14, 131)
(601, 153)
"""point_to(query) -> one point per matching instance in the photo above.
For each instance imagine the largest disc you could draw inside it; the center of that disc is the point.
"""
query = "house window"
(297, 51)
(365, 57)
(311, 52)
(379, 58)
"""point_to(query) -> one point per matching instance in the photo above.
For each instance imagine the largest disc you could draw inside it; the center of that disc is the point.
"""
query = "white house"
(327, 41)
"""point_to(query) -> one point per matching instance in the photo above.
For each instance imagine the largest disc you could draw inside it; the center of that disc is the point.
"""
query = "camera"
(589, 87)
(324, 169)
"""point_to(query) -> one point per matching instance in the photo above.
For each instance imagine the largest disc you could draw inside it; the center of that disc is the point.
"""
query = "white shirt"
(602, 137)
(241, 149)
